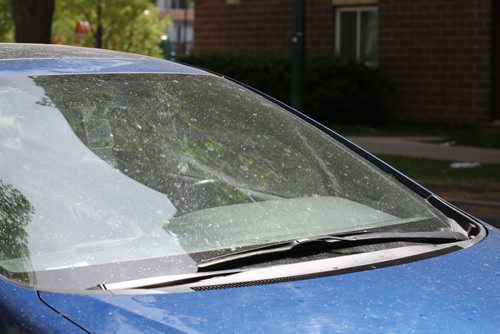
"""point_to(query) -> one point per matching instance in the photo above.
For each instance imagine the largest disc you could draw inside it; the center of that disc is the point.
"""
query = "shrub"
(335, 90)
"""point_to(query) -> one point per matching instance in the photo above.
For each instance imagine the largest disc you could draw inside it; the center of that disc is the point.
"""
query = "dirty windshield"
(116, 169)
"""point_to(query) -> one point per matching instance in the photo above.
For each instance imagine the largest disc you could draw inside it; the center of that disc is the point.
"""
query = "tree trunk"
(99, 31)
(33, 20)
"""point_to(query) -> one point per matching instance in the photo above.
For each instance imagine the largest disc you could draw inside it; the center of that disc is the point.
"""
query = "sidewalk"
(423, 147)
(432, 148)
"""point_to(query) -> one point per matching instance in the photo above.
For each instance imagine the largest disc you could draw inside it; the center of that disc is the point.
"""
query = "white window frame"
(358, 10)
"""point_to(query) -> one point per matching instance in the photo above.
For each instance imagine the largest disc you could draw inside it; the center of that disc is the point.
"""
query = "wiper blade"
(163, 281)
(319, 244)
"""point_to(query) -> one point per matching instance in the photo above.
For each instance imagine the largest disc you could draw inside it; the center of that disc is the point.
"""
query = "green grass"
(430, 169)
(476, 136)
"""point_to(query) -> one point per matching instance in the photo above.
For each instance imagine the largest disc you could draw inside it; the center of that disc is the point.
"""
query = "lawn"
(432, 170)
(476, 190)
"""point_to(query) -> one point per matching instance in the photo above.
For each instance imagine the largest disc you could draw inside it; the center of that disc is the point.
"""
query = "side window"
(356, 34)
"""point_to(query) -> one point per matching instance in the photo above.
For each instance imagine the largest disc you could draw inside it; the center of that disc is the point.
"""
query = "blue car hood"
(453, 293)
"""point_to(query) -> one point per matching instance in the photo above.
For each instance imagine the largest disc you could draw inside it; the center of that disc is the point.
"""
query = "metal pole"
(99, 31)
(299, 27)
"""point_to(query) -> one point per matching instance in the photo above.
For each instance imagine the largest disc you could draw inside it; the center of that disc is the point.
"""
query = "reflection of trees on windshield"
(205, 142)
(15, 214)
(191, 138)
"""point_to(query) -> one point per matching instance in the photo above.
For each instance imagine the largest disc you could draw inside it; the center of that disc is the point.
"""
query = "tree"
(124, 25)
(15, 215)
(33, 20)
(6, 22)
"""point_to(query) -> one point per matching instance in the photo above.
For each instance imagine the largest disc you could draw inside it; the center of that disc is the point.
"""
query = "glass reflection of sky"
(86, 211)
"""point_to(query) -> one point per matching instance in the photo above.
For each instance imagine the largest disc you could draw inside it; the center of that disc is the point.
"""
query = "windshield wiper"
(322, 243)
(277, 250)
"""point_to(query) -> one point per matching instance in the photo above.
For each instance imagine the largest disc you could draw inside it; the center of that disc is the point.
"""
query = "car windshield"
(131, 175)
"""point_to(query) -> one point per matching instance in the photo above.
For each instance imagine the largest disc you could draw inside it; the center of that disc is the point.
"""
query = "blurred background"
(415, 82)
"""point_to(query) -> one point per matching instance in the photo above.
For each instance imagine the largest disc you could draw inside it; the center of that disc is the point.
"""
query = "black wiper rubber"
(318, 244)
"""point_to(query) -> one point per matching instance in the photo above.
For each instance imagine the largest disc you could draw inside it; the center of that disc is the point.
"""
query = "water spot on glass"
(183, 167)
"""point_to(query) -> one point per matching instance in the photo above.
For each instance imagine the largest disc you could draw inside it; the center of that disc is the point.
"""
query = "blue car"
(143, 196)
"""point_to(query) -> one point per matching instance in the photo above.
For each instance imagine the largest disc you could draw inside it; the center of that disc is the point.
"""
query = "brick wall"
(259, 24)
(438, 54)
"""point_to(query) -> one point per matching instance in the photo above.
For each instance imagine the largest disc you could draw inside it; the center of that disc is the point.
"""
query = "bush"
(335, 90)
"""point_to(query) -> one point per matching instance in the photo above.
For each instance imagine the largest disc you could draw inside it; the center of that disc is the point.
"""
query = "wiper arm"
(290, 248)
(319, 244)
(163, 281)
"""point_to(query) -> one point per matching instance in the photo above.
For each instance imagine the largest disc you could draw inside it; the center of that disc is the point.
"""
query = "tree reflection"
(205, 142)
(191, 138)
(15, 214)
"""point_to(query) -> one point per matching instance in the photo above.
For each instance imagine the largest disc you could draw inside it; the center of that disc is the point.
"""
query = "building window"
(357, 34)
(173, 4)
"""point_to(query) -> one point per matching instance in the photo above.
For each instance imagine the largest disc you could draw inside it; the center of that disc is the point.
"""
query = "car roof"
(47, 59)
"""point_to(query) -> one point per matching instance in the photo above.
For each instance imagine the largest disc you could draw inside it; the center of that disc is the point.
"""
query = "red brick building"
(441, 55)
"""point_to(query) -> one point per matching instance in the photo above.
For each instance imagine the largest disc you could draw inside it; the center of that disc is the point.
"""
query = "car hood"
(457, 292)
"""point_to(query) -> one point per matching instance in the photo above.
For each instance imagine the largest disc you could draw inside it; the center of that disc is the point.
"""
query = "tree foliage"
(335, 90)
(6, 21)
(124, 25)
(15, 215)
